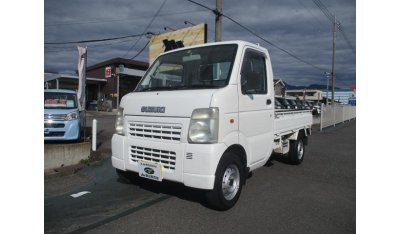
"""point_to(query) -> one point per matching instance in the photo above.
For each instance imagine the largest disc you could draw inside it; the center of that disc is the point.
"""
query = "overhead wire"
(141, 50)
(147, 27)
(95, 40)
(102, 21)
(331, 18)
(57, 48)
(258, 36)
(310, 12)
(324, 10)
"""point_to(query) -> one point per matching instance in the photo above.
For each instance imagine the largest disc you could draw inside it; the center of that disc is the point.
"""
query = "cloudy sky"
(297, 26)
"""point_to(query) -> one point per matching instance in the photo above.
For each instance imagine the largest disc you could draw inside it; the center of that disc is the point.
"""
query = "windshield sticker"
(55, 103)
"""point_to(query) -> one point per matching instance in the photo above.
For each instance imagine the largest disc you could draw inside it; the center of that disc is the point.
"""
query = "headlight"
(203, 126)
(119, 122)
(72, 115)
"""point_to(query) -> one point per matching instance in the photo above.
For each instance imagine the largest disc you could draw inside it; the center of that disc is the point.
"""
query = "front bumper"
(62, 130)
(194, 164)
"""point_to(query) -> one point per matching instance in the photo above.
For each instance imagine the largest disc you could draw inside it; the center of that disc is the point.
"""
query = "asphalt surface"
(318, 196)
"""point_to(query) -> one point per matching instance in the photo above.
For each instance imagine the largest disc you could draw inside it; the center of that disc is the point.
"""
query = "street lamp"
(328, 74)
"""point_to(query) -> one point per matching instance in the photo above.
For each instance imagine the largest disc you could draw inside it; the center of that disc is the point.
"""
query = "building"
(313, 95)
(122, 77)
(279, 87)
(342, 96)
(109, 80)
(62, 81)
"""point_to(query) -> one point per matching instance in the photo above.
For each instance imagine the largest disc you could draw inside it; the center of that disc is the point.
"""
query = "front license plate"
(150, 170)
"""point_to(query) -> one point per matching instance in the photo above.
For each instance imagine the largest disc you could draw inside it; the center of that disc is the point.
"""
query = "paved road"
(318, 196)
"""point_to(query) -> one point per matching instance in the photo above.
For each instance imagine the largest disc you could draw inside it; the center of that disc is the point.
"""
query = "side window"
(254, 73)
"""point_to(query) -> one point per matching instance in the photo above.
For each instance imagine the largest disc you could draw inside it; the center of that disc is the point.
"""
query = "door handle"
(269, 101)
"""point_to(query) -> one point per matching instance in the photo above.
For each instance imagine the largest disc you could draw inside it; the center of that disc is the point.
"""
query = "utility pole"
(333, 61)
(218, 20)
(327, 85)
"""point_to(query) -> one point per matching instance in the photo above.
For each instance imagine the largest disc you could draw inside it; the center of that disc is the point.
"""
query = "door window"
(254, 73)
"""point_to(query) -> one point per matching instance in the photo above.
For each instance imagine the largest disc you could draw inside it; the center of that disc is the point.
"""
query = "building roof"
(117, 61)
(53, 76)
(276, 81)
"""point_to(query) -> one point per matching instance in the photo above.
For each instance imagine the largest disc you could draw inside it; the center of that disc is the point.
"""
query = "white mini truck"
(204, 116)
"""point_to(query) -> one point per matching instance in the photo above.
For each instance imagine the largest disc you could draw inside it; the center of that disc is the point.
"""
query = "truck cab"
(202, 116)
(61, 115)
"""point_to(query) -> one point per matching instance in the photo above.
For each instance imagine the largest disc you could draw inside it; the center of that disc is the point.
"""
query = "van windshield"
(198, 68)
(59, 100)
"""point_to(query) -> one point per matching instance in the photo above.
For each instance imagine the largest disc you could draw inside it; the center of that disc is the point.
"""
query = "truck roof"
(238, 42)
(60, 91)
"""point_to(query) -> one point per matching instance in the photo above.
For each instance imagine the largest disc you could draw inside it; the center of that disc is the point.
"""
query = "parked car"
(278, 104)
(285, 103)
(301, 104)
(294, 104)
(307, 105)
(61, 115)
(316, 110)
(310, 105)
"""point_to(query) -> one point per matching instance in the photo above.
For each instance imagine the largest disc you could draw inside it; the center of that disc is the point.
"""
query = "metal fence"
(332, 115)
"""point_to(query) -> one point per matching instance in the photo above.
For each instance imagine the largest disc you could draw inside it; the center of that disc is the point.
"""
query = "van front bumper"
(62, 130)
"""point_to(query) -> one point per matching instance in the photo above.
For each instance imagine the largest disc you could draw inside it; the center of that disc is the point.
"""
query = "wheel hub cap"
(230, 182)
(300, 149)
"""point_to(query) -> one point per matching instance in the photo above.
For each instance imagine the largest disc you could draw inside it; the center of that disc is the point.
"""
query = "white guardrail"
(332, 115)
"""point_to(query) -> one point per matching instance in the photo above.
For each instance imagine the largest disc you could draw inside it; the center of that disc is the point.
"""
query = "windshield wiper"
(156, 88)
(178, 87)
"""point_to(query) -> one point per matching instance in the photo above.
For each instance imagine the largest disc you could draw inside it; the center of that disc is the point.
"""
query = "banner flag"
(82, 77)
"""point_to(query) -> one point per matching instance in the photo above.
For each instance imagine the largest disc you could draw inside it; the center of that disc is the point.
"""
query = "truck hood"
(166, 103)
(58, 111)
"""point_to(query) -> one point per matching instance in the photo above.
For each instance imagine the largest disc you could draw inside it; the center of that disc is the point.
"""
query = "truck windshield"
(198, 68)
(59, 100)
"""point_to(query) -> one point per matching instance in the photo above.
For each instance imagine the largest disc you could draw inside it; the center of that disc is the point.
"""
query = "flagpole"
(82, 87)
(84, 104)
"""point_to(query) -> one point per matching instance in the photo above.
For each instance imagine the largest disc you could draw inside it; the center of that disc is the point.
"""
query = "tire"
(296, 151)
(228, 183)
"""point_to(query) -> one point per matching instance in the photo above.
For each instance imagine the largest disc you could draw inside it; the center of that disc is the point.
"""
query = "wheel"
(296, 151)
(228, 183)
(126, 176)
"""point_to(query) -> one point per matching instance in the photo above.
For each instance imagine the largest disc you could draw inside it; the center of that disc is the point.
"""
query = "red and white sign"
(107, 72)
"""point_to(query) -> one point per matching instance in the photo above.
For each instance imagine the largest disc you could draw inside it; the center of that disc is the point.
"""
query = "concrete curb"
(61, 155)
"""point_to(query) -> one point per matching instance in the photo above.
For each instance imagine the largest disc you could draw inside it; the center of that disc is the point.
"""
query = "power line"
(141, 50)
(310, 12)
(325, 10)
(272, 44)
(101, 21)
(147, 27)
(331, 17)
(57, 48)
(265, 40)
(346, 39)
(95, 40)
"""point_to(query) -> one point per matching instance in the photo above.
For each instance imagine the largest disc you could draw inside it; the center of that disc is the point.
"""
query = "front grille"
(158, 131)
(166, 158)
(54, 117)
(54, 134)
(54, 125)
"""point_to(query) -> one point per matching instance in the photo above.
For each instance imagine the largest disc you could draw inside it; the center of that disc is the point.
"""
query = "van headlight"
(119, 121)
(203, 128)
(72, 115)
